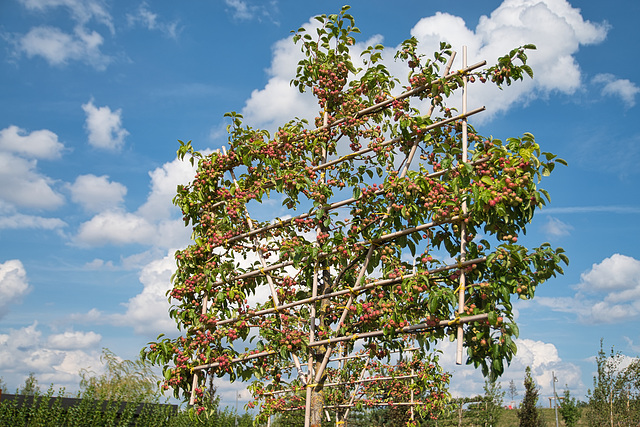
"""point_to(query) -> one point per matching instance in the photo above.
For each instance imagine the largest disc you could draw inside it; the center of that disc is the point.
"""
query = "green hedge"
(60, 411)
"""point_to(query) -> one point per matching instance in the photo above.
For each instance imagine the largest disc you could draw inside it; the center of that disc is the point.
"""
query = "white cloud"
(622, 88)
(58, 47)
(148, 312)
(104, 127)
(145, 17)
(156, 223)
(97, 193)
(13, 284)
(39, 144)
(17, 221)
(100, 264)
(556, 228)
(618, 273)
(73, 340)
(116, 227)
(24, 350)
(542, 357)
(588, 209)
(244, 10)
(23, 186)
(82, 11)
(164, 183)
(608, 293)
(554, 26)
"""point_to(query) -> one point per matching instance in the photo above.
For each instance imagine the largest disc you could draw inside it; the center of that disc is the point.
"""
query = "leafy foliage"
(30, 386)
(493, 403)
(353, 270)
(570, 409)
(123, 380)
(528, 413)
(615, 398)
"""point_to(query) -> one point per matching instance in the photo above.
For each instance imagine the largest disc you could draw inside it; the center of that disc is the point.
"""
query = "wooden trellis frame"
(312, 376)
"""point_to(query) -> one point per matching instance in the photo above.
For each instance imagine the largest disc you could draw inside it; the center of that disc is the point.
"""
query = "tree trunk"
(317, 404)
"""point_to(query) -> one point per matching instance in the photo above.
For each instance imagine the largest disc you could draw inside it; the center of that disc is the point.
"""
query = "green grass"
(509, 418)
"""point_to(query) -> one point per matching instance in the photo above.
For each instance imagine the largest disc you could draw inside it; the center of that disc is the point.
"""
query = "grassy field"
(510, 419)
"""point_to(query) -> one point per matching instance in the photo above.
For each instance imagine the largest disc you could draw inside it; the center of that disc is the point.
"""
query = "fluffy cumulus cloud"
(23, 185)
(554, 26)
(609, 292)
(541, 357)
(17, 220)
(39, 144)
(13, 284)
(59, 47)
(164, 182)
(56, 359)
(73, 340)
(116, 227)
(104, 127)
(156, 223)
(97, 193)
(147, 312)
(624, 89)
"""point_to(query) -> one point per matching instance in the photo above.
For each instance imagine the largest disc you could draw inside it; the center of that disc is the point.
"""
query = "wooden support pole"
(463, 229)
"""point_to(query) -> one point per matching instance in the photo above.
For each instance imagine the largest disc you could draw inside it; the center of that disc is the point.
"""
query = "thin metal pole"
(555, 396)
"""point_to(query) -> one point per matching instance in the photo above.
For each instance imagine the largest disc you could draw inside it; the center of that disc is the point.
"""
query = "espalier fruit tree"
(381, 190)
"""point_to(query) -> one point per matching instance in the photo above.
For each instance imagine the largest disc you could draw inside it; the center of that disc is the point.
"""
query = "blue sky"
(95, 95)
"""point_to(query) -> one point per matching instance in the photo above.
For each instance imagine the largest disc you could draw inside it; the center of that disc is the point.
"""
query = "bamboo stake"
(194, 384)
(355, 382)
(407, 329)
(379, 404)
(463, 228)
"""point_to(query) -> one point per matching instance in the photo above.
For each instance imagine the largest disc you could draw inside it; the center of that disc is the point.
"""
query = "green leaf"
(487, 180)
(492, 317)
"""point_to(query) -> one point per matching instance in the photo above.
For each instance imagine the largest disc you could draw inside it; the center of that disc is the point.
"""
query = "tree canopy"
(400, 228)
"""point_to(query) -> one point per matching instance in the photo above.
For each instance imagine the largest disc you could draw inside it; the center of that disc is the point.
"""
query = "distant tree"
(123, 380)
(570, 409)
(30, 387)
(3, 386)
(493, 403)
(615, 399)
(528, 414)
(512, 391)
